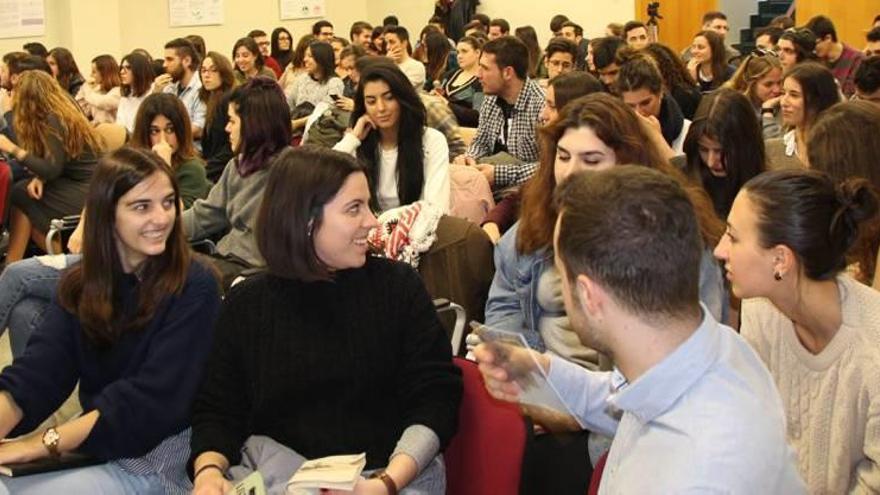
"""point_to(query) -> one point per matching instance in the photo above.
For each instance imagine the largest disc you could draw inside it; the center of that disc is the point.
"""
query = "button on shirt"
(517, 134)
(189, 96)
(706, 419)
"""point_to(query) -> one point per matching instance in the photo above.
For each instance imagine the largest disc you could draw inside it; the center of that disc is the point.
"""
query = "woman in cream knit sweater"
(816, 329)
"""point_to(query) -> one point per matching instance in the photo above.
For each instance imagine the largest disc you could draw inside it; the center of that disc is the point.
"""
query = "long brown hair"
(171, 108)
(39, 96)
(718, 62)
(619, 128)
(831, 150)
(227, 83)
(109, 70)
(89, 289)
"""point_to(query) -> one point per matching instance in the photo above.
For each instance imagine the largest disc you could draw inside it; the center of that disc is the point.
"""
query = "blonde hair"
(752, 70)
(37, 97)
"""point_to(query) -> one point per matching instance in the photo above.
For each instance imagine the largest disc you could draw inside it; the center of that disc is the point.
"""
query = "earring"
(777, 276)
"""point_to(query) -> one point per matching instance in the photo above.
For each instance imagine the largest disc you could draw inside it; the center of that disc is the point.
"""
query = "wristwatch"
(389, 483)
(51, 438)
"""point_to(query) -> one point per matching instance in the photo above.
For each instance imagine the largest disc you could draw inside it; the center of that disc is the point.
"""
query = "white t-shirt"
(436, 189)
(415, 72)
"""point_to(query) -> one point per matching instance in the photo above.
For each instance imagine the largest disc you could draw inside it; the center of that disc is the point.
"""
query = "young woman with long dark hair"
(709, 63)
(282, 46)
(816, 329)
(132, 324)
(593, 132)
(218, 81)
(65, 70)
(163, 125)
(724, 148)
(259, 128)
(395, 394)
(249, 61)
(136, 77)
(406, 161)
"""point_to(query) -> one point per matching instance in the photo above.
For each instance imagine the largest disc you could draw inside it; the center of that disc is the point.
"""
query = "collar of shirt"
(530, 89)
(660, 387)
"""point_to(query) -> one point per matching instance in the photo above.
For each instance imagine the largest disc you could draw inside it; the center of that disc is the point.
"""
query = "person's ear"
(591, 296)
(784, 261)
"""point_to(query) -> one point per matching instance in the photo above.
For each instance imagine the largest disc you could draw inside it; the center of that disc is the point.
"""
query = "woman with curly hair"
(59, 147)
(676, 78)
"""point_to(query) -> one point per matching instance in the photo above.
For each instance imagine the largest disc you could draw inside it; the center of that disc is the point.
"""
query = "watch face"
(51, 437)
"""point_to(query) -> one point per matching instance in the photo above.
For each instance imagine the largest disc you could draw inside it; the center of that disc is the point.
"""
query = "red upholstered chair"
(596, 480)
(486, 454)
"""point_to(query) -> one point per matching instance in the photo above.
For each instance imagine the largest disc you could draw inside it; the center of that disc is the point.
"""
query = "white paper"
(301, 9)
(194, 12)
(22, 18)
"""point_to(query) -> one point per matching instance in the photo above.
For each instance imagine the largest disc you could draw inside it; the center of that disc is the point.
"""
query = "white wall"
(92, 27)
(57, 28)
(738, 12)
(593, 15)
(145, 22)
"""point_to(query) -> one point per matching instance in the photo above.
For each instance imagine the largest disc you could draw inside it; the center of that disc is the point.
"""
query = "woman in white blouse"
(136, 75)
(99, 96)
(406, 161)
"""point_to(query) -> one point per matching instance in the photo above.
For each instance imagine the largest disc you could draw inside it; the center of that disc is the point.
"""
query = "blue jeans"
(26, 289)
(277, 464)
(109, 479)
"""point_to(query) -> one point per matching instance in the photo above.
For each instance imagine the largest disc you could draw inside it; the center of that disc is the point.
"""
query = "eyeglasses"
(208, 70)
(263, 43)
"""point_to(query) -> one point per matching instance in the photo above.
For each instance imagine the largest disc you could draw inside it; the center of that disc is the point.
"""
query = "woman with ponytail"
(815, 327)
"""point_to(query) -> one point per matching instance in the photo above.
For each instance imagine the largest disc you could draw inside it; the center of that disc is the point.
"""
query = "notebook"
(68, 460)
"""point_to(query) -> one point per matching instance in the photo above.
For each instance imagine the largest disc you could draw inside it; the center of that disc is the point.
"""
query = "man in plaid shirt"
(842, 59)
(509, 114)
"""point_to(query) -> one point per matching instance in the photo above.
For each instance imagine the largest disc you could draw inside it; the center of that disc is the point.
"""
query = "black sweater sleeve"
(429, 384)
(222, 406)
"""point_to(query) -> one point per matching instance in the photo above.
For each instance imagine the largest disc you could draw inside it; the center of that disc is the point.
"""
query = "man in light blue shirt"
(690, 405)
(181, 79)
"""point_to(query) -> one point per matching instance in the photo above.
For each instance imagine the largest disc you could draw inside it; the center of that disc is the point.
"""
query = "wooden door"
(681, 19)
(852, 18)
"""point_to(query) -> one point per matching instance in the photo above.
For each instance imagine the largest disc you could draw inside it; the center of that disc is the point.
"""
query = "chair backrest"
(113, 136)
(471, 193)
(486, 454)
(468, 134)
(459, 265)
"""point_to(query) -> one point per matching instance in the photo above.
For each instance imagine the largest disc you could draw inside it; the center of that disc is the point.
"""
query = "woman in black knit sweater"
(330, 352)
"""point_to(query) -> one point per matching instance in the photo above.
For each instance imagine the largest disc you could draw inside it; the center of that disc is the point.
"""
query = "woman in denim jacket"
(591, 133)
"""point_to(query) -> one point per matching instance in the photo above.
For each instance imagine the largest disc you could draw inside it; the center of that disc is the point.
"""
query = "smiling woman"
(594, 132)
(131, 324)
(321, 298)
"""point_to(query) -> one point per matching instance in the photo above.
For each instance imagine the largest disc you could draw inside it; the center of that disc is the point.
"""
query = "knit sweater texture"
(831, 399)
(328, 367)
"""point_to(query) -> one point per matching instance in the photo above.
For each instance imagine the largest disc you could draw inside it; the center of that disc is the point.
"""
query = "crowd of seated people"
(703, 223)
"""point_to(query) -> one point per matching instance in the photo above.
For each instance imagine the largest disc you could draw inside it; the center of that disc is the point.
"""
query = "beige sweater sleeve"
(867, 476)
